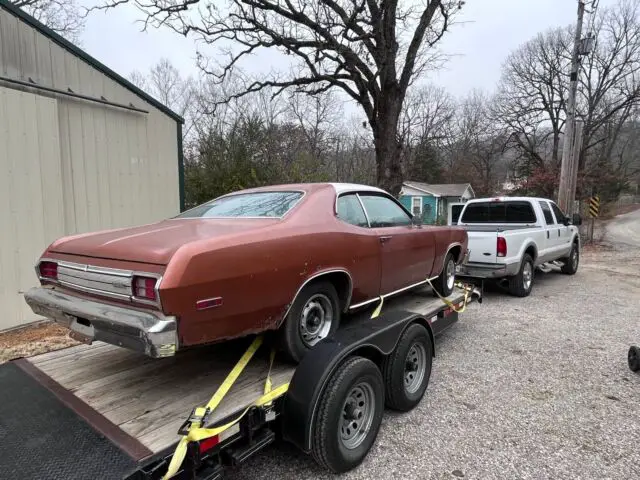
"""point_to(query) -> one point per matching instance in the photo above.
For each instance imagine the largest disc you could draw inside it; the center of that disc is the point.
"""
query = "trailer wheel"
(446, 280)
(407, 369)
(520, 285)
(348, 416)
(634, 358)
(314, 315)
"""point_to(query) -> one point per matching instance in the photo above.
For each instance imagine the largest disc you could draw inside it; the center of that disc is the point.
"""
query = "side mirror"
(416, 220)
(576, 219)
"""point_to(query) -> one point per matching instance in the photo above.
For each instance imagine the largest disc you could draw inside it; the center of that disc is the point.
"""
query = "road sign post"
(594, 211)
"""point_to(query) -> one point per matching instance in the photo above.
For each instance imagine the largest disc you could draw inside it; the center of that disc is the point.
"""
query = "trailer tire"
(520, 285)
(355, 388)
(407, 369)
(316, 297)
(444, 284)
(633, 357)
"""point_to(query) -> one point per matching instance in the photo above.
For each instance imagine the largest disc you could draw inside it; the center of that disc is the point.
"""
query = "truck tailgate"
(482, 246)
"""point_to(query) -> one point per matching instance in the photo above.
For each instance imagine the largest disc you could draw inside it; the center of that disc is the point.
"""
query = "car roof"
(310, 187)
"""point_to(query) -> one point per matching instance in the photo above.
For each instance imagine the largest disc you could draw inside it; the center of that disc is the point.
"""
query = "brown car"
(289, 257)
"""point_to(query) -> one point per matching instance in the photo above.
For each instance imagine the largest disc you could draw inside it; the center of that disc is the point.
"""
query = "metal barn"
(81, 149)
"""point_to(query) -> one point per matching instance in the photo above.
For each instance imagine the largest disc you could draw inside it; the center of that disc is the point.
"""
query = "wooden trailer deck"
(145, 400)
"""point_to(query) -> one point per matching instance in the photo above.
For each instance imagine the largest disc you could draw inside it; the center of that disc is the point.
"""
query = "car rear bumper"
(149, 332)
(487, 270)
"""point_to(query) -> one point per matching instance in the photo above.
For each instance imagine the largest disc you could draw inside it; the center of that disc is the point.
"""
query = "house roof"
(441, 190)
(67, 45)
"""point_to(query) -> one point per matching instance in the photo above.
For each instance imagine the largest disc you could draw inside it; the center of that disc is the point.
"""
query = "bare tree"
(61, 16)
(370, 50)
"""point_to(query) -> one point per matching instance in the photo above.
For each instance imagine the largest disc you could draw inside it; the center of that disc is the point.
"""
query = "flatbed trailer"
(100, 411)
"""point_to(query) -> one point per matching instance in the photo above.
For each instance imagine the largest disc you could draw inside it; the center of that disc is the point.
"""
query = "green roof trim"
(67, 45)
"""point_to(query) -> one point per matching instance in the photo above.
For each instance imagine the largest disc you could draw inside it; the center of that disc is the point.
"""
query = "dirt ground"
(32, 340)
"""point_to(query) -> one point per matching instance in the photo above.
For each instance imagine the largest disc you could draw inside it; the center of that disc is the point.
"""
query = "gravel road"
(534, 388)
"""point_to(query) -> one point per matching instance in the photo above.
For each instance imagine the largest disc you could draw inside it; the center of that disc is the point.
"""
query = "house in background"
(431, 201)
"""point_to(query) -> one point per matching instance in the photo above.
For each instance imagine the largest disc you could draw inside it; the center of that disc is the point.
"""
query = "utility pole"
(566, 170)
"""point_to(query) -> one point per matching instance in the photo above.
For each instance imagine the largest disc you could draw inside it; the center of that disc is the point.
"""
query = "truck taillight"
(48, 270)
(144, 288)
(501, 247)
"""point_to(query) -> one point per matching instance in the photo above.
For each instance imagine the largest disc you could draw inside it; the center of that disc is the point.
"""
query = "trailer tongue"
(104, 412)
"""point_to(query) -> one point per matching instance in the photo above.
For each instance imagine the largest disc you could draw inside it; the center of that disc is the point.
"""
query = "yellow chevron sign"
(594, 206)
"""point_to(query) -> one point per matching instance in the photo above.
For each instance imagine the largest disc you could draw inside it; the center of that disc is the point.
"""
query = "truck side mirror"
(576, 219)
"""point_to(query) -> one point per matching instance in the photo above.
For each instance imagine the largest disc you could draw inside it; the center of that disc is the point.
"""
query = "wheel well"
(531, 250)
(456, 251)
(342, 283)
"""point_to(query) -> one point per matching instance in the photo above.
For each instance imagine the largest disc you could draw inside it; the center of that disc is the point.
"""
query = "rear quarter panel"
(447, 238)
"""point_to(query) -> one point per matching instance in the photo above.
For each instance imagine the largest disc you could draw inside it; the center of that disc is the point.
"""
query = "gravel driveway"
(530, 388)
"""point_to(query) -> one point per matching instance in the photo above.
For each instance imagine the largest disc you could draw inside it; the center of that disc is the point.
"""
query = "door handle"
(558, 232)
(385, 239)
(547, 233)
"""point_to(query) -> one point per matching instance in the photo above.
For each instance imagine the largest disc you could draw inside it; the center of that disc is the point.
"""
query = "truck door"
(563, 237)
(546, 246)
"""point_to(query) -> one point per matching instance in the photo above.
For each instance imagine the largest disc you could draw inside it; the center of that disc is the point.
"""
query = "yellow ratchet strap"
(378, 309)
(450, 303)
(197, 433)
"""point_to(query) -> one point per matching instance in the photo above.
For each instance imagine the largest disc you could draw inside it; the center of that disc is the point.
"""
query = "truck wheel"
(349, 415)
(446, 280)
(633, 358)
(314, 315)
(520, 285)
(406, 371)
(570, 264)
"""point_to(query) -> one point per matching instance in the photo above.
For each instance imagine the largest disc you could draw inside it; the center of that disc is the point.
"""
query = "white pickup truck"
(510, 236)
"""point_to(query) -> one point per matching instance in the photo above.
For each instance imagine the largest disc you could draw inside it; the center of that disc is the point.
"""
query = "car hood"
(155, 243)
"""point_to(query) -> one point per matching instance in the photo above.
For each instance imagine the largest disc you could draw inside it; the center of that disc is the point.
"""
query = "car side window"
(558, 213)
(350, 210)
(548, 217)
(384, 212)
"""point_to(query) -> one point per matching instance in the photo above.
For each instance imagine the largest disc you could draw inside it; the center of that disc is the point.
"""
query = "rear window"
(499, 212)
(245, 205)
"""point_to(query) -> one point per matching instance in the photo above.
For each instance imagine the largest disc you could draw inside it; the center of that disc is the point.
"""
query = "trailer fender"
(374, 340)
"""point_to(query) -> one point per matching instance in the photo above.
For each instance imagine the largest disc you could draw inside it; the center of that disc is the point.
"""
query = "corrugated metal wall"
(73, 166)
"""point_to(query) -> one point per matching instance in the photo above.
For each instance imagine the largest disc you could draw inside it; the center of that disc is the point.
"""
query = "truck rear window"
(499, 212)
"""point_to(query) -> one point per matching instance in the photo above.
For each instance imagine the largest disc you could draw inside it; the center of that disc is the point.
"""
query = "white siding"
(31, 216)
(73, 165)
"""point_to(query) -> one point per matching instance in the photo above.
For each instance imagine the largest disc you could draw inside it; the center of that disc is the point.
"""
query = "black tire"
(327, 445)
(570, 264)
(403, 388)
(633, 357)
(517, 283)
(292, 342)
(441, 284)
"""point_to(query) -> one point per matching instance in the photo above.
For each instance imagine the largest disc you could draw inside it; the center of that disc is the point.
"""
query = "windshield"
(499, 212)
(246, 205)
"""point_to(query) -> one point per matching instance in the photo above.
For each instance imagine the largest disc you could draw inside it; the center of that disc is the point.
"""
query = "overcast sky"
(486, 32)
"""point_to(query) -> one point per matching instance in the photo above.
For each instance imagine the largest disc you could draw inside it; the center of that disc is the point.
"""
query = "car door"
(406, 251)
(546, 246)
(563, 238)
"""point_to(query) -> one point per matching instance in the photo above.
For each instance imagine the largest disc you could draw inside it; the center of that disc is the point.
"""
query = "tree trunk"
(388, 146)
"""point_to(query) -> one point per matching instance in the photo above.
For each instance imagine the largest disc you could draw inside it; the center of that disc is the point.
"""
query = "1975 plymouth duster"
(290, 258)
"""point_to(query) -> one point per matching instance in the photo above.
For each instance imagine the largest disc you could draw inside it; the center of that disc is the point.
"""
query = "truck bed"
(139, 403)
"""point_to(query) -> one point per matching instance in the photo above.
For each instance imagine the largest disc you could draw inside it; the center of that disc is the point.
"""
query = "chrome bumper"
(152, 333)
(487, 270)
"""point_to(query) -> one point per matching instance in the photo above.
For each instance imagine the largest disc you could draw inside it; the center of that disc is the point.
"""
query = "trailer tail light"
(501, 247)
(48, 270)
(144, 288)
(208, 443)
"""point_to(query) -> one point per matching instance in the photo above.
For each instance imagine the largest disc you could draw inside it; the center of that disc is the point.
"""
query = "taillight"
(501, 247)
(48, 270)
(144, 288)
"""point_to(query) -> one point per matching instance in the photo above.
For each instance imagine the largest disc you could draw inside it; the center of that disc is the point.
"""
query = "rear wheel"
(446, 280)
(633, 358)
(570, 264)
(349, 415)
(406, 371)
(314, 315)
(520, 285)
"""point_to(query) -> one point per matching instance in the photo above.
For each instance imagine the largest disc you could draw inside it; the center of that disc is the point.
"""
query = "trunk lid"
(155, 243)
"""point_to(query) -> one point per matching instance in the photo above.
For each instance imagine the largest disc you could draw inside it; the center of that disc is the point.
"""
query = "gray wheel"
(348, 416)
(406, 370)
(314, 315)
(570, 264)
(520, 285)
(316, 319)
(446, 280)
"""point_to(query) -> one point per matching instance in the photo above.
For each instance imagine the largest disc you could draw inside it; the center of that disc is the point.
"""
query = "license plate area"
(81, 329)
